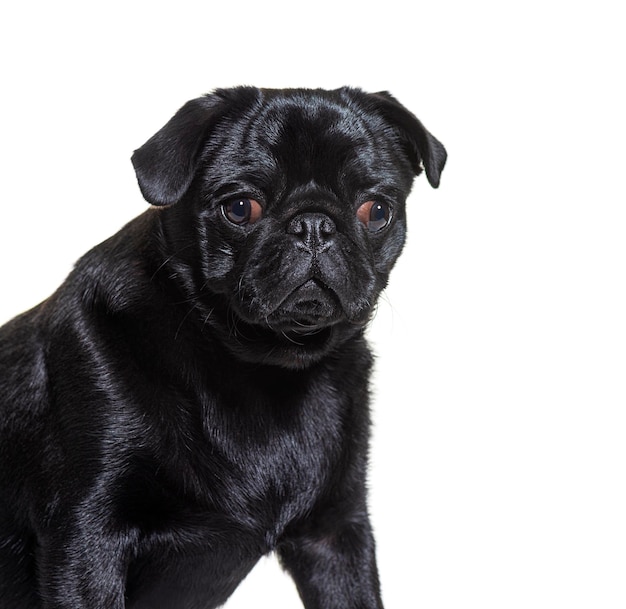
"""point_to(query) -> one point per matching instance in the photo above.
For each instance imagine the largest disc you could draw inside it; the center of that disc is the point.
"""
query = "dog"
(194, 396)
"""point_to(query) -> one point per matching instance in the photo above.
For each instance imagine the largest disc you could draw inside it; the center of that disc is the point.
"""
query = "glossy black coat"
(195, 394)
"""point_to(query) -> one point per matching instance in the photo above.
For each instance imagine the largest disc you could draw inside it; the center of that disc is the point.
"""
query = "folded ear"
(166, 164)
(422, 147)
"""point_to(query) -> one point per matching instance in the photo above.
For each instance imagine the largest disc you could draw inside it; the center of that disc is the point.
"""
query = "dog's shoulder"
(22, 367)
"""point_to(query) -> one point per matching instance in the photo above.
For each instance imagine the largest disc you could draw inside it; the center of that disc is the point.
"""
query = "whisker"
(169, 258)
(206, 319)
(180, 325)
(291, 340)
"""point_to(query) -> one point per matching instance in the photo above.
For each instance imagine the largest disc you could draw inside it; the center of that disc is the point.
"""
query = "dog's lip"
(310, 339)
(309, 307)
(305, 327)
(290, 333)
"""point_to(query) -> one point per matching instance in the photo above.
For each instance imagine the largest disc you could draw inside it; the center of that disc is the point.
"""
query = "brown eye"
(243, 211)
(375, 215)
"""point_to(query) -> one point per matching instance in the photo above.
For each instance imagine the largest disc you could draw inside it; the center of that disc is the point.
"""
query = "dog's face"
(285, 211)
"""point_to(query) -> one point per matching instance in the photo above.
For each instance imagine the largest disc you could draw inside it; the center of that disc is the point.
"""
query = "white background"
(499, 452)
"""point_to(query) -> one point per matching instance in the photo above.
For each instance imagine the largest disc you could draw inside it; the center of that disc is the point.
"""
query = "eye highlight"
(242, 211)
(375, 215)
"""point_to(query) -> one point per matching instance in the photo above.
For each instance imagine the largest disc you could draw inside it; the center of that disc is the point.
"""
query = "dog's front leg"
(82, 569)
(334, 567)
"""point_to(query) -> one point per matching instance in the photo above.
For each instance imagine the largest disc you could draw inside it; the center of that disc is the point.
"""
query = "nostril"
(296, 227)
(327, 227)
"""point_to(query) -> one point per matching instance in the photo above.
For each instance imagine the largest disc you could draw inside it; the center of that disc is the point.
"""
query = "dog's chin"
(294, 347)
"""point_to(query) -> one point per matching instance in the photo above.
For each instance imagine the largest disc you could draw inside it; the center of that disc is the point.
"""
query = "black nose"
(314, 231)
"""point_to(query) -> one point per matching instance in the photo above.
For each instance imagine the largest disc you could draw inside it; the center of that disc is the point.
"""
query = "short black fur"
(195, 394)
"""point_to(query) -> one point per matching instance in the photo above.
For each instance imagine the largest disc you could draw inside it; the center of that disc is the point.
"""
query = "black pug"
(195, 394)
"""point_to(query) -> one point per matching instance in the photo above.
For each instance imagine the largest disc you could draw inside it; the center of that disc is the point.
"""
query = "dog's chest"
(263, 465)
(273, 455)
(262, 456)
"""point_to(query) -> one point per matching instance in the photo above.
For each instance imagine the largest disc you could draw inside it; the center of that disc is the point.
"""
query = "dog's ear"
(422, 148)
(166, 164)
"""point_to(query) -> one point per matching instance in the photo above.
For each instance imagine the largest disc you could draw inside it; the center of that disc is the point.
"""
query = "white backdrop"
(499, 452)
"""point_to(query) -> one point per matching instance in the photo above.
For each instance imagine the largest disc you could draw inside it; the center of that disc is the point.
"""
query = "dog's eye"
(374, 214)
(243, 211)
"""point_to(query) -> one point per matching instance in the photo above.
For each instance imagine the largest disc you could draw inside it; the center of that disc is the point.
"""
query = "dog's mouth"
(304, 335)
(303, 327)
(306, 316)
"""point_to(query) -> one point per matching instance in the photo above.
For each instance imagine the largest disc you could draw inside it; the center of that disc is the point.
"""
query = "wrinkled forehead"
(312, 137)
(309, 121)
(308, 139)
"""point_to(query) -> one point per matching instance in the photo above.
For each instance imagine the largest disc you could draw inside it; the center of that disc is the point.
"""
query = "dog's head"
(285, 211)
